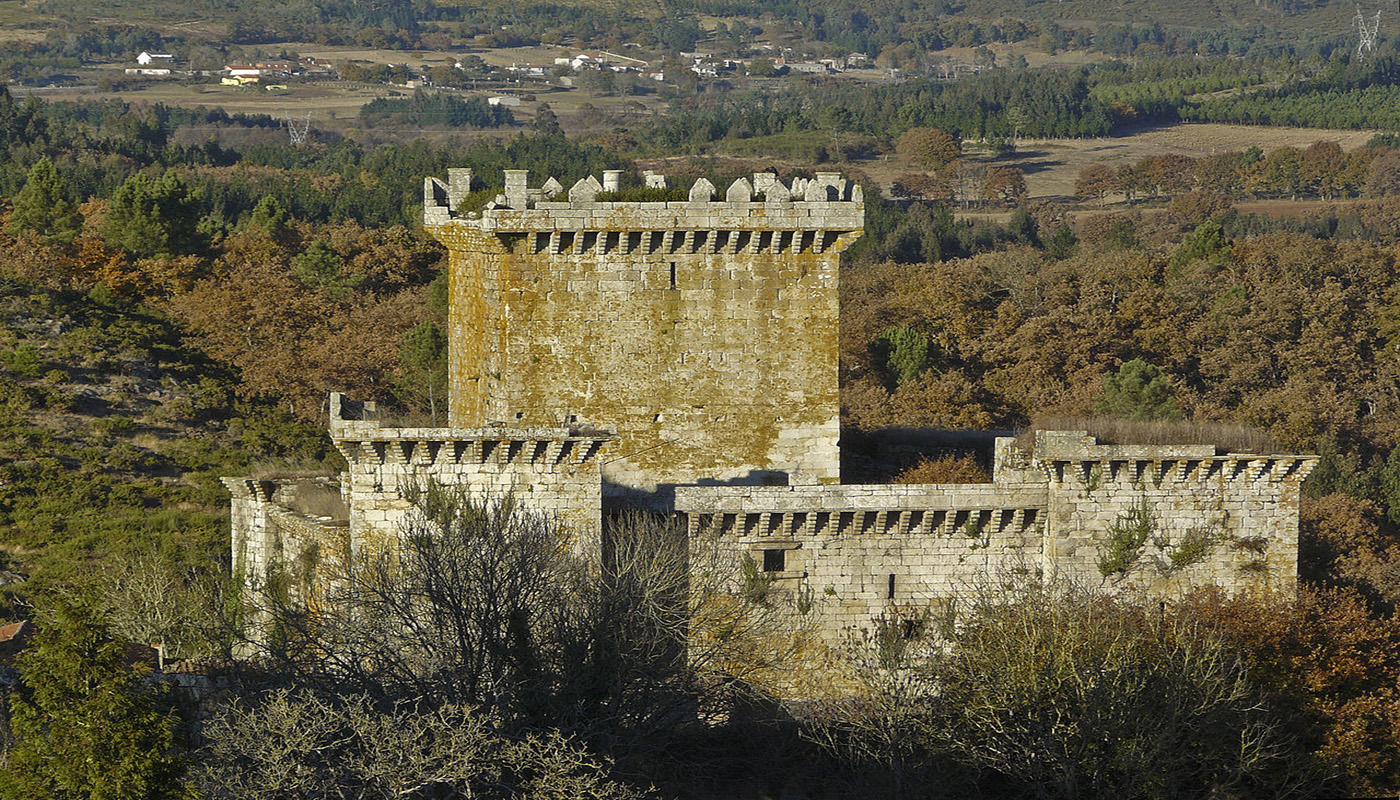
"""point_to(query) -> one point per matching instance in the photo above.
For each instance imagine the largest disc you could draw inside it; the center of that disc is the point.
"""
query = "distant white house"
(504, 100)
(241, 74)
(584, 61)
(146, 59)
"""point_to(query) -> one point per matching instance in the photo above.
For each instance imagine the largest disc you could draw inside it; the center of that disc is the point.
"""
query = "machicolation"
(682, 356)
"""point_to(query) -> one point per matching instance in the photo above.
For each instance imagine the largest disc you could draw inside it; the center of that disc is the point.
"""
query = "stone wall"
(1225, 518)
(253, 547)
(856, 551)
(1157, 519)
(269, 538)
(704, 330)
(550, 471)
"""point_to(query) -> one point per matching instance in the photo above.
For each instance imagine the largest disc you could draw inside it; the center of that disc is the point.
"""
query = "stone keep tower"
(704, 330)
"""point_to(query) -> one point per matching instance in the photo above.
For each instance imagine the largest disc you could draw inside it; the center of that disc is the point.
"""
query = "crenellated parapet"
(1071, 457)
(250, 489)
(861, 510)
(813, 216)
(443, 448)
(804, 215)
(552, 471)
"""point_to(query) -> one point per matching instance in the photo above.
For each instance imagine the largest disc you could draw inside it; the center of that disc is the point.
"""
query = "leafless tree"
(189, 613)
(485, 604)
(1054, 691)
(298, 744)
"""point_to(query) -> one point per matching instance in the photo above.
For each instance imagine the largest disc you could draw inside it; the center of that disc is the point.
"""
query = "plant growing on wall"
(1126, 537)
(806, 599)
(1193, 547)
(754, 584)
(1093, 480)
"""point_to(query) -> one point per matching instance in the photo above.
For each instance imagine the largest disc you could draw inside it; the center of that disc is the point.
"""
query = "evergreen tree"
(86, 724)
(268, 215)
(422, 378)
(1138, 390)
(1389, 485)
(1062, 243)
(45, 205)
(904, 352)
(271, 218)
(1206, 240)
(547, 122)
(155, 217)
(319, 268)
(7, 120)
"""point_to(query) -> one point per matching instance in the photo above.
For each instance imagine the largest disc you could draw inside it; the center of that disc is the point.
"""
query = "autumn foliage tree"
(1095, 181)
(929, 148)
(298, 325)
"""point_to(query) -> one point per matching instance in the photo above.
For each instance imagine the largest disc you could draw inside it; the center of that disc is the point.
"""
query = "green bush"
(24, 361)
(903, 351)
(1126, 537)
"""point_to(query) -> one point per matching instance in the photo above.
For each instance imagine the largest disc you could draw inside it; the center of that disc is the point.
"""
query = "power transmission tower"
(298, 128)
(1367, 28)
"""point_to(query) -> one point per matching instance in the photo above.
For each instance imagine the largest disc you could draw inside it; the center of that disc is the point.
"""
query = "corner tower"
(704, 329)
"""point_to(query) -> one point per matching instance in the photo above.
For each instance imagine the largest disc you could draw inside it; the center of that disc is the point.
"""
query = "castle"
(682, 356)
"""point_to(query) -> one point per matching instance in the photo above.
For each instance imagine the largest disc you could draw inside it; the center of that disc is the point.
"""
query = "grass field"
(1051, 165)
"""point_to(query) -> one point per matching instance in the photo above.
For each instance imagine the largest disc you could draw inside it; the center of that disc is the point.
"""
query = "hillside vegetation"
(178, 294)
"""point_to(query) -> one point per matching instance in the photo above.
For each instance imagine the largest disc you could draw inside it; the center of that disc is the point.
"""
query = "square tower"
(704, 330)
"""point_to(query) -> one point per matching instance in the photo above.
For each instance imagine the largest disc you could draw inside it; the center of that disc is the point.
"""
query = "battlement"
(1076, 457)
(861, 510)
(761, 215)
(363, 440)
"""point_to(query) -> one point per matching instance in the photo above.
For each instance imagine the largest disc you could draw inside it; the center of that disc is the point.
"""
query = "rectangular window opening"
(891, 597)
(774, 560)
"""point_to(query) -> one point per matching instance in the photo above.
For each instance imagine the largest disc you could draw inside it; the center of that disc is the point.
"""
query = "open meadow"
(1051, 165)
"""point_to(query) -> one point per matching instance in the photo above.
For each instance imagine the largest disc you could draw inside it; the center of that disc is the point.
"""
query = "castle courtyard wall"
(1152, 519)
